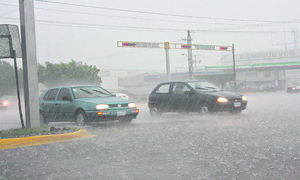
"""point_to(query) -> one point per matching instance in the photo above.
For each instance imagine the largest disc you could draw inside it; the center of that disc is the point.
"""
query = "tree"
(50, 75)
(7, 78)
(68, 73)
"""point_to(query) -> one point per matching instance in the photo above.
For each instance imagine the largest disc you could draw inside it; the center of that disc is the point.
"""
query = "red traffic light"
(129, 44)
(186, 46)
(222, 48)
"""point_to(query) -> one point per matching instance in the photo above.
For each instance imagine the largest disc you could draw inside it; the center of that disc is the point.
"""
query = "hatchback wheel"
(204, 109)
(80, 117)
(155, 111)
(236, 111)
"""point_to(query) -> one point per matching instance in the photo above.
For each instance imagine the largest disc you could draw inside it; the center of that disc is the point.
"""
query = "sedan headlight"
(102, 106)
(131, 105)
(222, 100)
(244, 98)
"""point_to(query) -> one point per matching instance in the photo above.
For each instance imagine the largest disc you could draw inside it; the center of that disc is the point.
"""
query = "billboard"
(9, 41)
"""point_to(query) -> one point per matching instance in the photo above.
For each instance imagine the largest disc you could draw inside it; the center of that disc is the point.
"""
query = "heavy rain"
(149, 89)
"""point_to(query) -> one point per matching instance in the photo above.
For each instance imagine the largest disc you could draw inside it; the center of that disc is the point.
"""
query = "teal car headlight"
(102, 106)
(132, 105)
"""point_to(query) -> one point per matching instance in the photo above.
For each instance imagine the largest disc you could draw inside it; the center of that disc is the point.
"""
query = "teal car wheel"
(80, 117)
(126, 120)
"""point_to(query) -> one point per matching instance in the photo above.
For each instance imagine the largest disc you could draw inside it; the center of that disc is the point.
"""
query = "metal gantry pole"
(31, 90)
(166, 44)
(234, 67)
(18, 89)
(13, 52)
(190, 54)
(195, 62)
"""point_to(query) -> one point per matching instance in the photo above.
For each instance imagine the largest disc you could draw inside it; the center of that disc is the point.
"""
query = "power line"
(118, 27)
(136, 18)
(101, 26)
(156, 13)
(124, 17)
(162, 20)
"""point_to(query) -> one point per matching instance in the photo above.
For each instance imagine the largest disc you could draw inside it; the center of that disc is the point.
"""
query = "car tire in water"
(126, 120)
(236, 111)
(154, 111)
(80, 117)
(204, 109)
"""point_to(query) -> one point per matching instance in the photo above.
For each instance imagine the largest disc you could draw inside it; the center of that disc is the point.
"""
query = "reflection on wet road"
(261, 143)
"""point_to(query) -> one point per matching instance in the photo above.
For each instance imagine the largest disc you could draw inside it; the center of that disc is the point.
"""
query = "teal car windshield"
(90, 92)
(203, 86)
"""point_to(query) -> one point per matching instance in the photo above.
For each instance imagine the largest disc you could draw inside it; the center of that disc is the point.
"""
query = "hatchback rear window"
(163, 89)
(50, 95)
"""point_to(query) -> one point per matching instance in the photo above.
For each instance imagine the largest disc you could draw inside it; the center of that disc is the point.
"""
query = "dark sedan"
(293, 89)
(194, 97)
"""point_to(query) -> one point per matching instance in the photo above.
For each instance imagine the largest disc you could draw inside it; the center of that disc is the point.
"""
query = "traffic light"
(128, 44)
(223, 48)
(186, 46)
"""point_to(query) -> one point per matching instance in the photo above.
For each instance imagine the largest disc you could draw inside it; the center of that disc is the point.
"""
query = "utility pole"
(234, 69)
(195, 62)
(31, 92)
(167, 47)
(190, 54)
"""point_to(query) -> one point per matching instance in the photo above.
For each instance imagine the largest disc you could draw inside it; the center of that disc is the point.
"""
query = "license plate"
(121, 113)
(237, 104)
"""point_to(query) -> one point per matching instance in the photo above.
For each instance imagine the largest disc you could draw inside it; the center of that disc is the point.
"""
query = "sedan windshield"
(203, 86)
(90, 92)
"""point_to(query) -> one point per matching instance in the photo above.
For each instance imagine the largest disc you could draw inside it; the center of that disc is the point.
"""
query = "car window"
(180, 88)
(90, 92)
(50, 95)
(203, 86)
(64, 92)
(163, 89)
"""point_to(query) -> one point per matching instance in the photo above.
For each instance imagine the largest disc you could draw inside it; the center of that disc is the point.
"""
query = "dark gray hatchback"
(193, 96)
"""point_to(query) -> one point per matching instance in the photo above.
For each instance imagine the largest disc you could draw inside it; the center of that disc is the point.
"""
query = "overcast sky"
(58, 40)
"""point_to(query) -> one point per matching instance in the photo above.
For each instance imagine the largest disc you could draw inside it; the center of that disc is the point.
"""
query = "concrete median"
(43, 139)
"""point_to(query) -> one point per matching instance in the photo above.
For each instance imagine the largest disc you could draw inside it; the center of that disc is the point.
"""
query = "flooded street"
(149, 89)
(10, 118)
(262, 142)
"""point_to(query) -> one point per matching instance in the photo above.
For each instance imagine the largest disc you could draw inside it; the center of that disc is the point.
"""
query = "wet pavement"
(261, 143)
(10, 117)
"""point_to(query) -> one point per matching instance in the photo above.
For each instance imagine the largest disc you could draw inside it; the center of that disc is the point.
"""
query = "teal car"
(84, 104)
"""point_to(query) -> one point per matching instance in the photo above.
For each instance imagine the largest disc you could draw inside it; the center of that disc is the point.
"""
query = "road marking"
(44, 139)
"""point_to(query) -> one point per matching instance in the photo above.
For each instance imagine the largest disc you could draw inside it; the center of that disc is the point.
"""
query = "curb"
(43, 139)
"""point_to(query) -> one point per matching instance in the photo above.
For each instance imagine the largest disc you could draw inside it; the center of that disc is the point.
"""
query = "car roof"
(73, 86)
(188, 81)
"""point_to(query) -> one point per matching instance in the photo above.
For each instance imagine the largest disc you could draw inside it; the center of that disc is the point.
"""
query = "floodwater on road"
(263, 142)
(10, 118)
